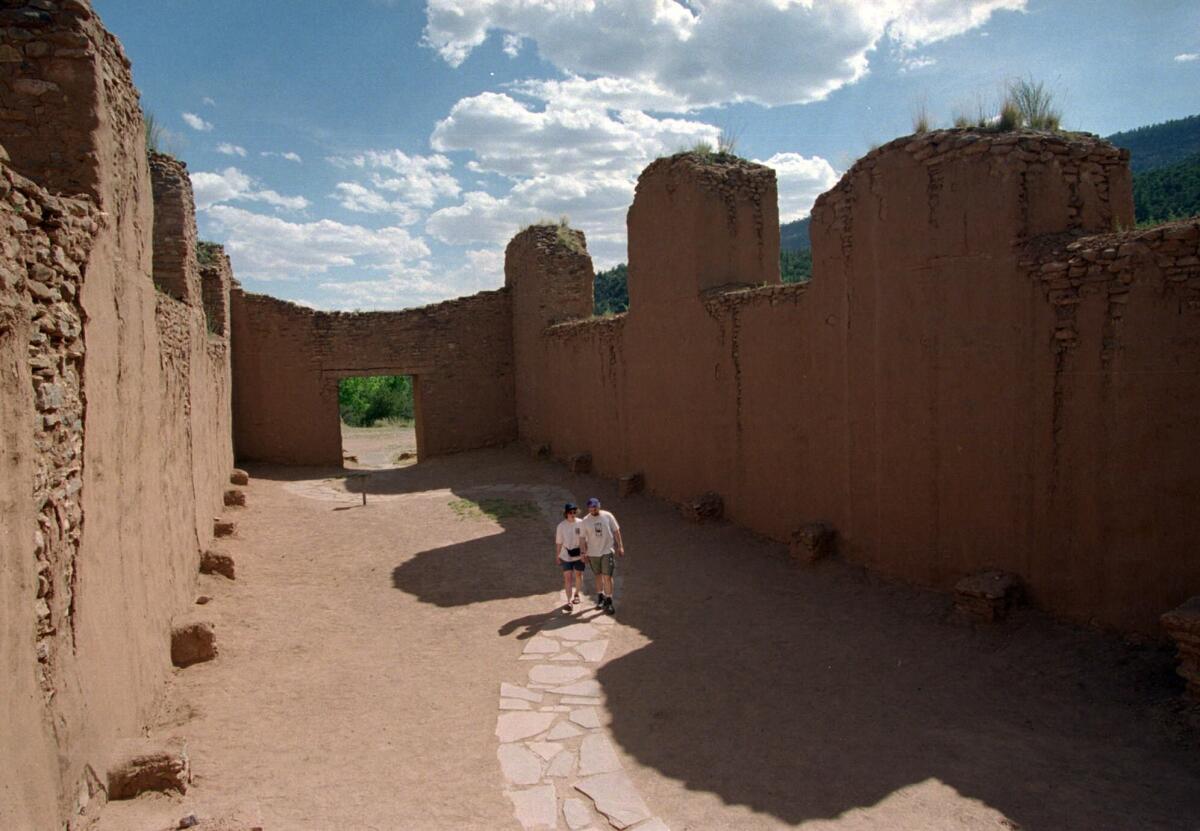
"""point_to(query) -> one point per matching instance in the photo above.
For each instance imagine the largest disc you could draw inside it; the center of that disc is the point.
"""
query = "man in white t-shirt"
(567, 541)
(601, 538)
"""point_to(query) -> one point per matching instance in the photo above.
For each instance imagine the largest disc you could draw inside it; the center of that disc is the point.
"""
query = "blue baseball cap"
(593, 502)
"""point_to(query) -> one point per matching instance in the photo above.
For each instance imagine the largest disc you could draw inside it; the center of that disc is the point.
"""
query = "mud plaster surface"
(363, 652)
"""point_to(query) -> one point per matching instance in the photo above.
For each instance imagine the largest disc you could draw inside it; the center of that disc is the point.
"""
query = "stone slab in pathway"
(519, 766)
(561, 731)
(596, 755)
(592, 650)
(535, 808)
(547, 750)
(547, 674)
(508, 690)
(584, 717)
(577, 814)
(615, 797)
(562, 765)
(590, 687)
(575, 632)
(539, 645)
(511, 727)
(514, 704)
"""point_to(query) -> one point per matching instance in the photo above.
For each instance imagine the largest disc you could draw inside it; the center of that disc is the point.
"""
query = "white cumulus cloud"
(232, 185)
(289, 155)
(269, 247)
(708, 52)
(800, 181)
(196, 122)
(479, 270)
(511, 138)
(1187, 57)
(231, 149)
(355, 197)
(416, 180)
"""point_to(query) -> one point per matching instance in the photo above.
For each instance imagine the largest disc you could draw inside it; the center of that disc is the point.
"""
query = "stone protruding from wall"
(176, 267)
(699, 222)
(549, 274)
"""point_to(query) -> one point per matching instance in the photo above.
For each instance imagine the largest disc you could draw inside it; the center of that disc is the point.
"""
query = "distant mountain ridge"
(1164, 158)
(1159, 145)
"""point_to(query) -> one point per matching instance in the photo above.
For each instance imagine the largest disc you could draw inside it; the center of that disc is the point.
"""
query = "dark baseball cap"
(593, 502)
(570, 506)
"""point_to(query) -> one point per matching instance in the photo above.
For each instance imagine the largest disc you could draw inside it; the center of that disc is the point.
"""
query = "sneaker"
(599, 601)
(567, 609)
(608, 607)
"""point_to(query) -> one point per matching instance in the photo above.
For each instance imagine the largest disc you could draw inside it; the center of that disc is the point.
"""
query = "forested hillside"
(1167, 193)
(1159, 145)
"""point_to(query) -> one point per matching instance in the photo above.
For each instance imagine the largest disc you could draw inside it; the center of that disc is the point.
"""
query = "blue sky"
(369, 154)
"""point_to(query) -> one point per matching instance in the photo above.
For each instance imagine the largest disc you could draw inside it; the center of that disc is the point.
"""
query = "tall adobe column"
(549, 274)
(698, 222)
(176, 269)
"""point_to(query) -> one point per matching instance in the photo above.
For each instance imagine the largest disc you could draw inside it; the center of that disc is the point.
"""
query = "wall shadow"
(808, 693)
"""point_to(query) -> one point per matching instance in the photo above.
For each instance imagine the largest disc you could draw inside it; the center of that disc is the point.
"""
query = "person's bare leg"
(567, 587)
(578, 586)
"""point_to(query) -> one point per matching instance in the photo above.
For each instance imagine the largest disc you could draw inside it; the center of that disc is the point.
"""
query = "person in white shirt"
(567, 542)
(601, 537)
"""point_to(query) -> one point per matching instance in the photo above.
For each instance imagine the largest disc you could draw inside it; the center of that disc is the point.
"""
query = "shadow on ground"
(807, 693)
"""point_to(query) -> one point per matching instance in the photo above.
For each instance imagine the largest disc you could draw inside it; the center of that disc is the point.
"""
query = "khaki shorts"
(606, 564)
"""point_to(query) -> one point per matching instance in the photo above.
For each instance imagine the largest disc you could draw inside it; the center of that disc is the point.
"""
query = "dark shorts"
(576, 565)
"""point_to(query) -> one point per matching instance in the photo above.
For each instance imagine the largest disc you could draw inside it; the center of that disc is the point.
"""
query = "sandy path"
(363, 652)
(378, 447)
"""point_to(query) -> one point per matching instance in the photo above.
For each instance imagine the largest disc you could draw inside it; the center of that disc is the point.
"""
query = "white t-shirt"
(600, 531)
(568, 535)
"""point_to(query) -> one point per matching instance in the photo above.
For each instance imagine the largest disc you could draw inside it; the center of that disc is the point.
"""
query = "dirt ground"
(374, 448)
(363, 649)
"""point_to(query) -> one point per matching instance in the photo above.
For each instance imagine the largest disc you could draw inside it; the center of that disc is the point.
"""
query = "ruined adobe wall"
(95, 568)
(45, 242)
(287, 361)
(945, 408)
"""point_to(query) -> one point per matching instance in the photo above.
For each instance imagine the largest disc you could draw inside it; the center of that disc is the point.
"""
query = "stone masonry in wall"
(44, 246)
(176, 267)
(49, 53)
(110, 475)
(216, 282)
(1108, 265)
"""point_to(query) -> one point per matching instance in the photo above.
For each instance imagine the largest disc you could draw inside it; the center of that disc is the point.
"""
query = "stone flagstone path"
(555, 750)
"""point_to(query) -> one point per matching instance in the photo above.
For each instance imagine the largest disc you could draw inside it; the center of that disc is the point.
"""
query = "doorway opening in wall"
(379, 420)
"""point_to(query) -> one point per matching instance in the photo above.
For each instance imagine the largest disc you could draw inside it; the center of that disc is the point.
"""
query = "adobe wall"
(113, 400)
(934, 394)
(287, 361)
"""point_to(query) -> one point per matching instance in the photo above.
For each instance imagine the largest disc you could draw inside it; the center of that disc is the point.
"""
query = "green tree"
(363, 401)
(610, 294)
